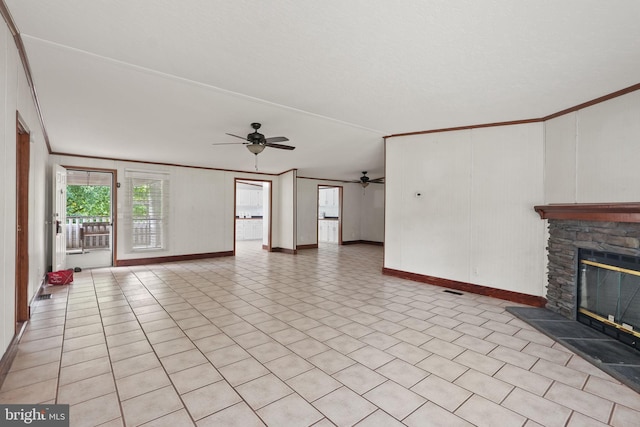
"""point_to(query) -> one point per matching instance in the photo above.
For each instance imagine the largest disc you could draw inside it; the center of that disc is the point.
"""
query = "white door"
(59, 249)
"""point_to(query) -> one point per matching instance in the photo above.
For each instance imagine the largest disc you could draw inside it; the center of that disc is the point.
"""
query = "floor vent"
(452, 292)
(43, 296)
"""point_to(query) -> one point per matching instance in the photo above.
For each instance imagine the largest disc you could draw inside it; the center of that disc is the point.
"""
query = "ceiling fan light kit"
(255, 148)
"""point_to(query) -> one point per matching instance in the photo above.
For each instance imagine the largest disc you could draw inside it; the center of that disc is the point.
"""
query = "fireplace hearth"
(605, 235)
(593, 258)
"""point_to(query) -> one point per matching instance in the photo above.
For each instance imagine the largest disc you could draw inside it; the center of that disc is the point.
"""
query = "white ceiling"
(160, 80)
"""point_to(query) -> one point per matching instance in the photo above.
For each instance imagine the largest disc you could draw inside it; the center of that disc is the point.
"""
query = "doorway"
(89, 226)
(329, 215)
(252, 215)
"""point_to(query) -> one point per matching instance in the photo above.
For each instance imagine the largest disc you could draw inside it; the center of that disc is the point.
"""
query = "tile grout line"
(261, 363)
(64, 332)
(255, 411)
(159, 359)
(154, 352)
(115, 384)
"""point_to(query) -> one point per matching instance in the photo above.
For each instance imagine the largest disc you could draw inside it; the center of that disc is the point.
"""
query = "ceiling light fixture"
(255, 148)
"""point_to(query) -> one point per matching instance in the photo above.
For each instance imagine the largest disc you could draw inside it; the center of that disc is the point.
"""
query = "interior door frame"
(340, 207)
(23, 153)
(114, 204)
(235, 208)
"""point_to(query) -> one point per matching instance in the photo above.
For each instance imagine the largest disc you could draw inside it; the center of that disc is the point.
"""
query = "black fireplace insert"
(609, 294)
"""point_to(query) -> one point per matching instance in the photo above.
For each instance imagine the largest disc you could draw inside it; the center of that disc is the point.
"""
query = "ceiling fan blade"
(241, 137)
(377, 180)
(229, 143)
(276, 139)
(280, 146)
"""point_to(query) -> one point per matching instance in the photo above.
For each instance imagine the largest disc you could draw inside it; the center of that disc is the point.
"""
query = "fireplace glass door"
(610, 293)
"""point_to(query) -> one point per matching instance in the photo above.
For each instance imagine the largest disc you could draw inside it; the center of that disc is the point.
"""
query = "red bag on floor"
(62, 277)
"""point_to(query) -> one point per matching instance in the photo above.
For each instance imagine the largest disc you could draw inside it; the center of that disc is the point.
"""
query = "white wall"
(560, 160)
(8, 87)
(474, 221)
(372, 215)
(201, 218)
(16, 96)
(351, 211)
(198, 218)
(266, 213)
(39, 227)
(307, 209)
(285, 236)
(592, 154)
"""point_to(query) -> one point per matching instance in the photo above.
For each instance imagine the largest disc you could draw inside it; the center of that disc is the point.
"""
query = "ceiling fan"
(365, 180)
(256, 142)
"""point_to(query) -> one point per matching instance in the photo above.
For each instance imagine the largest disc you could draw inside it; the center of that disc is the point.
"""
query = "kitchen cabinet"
(329, 202)
(245, 197)
(328, 230)
(255, 198)
(248, 229)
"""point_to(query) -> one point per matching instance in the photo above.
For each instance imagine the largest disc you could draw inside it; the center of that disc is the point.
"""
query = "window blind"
(147, 210)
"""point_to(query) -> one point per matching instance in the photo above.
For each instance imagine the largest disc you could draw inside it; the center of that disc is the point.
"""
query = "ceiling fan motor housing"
(256, 138)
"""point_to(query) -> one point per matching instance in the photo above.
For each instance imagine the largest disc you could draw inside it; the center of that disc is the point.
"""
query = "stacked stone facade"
(565, 238)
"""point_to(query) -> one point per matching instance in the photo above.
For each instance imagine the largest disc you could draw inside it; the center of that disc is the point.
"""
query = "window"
(148, 208)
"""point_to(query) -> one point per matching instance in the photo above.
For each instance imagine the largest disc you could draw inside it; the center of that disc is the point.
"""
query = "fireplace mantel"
(611, 212)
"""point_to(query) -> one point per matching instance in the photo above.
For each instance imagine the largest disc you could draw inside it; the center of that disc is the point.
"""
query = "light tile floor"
(321, 338)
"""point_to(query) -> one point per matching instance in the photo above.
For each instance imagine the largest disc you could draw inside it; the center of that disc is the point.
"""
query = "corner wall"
(592, 155)
(362, 211)
(473, 220)
(16, 97)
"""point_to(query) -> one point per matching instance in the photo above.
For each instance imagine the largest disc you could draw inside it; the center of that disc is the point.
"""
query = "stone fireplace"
(600, 232)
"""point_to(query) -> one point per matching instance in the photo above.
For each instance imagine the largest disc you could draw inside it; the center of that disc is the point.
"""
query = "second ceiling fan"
(365, 180)
(256, 142)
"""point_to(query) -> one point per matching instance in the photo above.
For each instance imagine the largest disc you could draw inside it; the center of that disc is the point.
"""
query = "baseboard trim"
(310, 246)
(10, 354)
(285, 251)
(174, 258)
(362, 242)
(512, 296)
(37, 293)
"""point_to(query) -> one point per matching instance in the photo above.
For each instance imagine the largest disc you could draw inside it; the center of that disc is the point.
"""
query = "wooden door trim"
(22, 224)
(269, 246)
(340, 211)
(114, 205)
